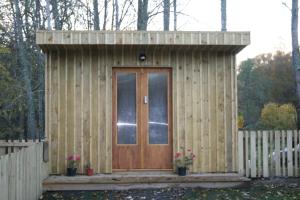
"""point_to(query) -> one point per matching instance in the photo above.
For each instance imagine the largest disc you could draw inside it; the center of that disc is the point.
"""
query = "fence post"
(289, 153)
(265, 155)
(296, 151)
(253, 153)
(277, 153)
(241, 152)
(247, 153)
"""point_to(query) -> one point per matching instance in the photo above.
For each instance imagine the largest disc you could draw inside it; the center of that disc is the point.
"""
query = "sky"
(267, 20)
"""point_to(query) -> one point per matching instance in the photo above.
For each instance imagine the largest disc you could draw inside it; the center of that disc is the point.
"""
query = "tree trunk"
(55, 14)
(175, 14)
(295, 53)
(166, 15)
(223, 15)
(48, 15)
(37, 15)
(105, 14)
(117, 15)
(96, 16)
(25, 68)
(113, 15)
(143, 16)
(41, 79)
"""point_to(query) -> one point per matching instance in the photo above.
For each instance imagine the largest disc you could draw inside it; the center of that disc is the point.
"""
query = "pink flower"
(70, 157)
(77, 157)
(74, 157)
(177, 155)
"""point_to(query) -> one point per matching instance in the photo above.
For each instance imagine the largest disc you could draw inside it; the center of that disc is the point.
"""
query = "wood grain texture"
(22, 173)
(202, 40)
(203, 103)
(274, 149)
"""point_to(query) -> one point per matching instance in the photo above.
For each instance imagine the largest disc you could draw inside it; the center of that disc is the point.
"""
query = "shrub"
(274, 116)
(241, 121)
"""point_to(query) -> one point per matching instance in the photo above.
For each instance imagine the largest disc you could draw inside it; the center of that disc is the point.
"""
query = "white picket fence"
(22, 172)
(269, 153)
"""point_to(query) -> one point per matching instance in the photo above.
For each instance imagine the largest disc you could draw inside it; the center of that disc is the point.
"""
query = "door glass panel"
(126, 108)
(158, 108)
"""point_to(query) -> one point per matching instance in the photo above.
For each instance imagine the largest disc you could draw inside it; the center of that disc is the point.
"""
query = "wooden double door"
(142, 119)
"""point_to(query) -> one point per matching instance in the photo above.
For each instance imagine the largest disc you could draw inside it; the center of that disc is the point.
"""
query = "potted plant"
(73, 161)
(89, 170)
(183, 160)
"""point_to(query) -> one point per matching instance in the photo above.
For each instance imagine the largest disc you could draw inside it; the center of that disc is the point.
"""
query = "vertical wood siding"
(79, 104)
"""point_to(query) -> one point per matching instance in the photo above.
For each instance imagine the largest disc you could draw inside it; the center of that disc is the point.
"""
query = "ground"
(280, 189)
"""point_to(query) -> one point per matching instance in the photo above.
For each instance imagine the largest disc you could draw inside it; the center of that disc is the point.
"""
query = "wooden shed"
(128, 100)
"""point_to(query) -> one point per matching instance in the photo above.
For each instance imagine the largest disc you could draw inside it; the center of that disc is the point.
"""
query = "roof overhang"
(206, 41)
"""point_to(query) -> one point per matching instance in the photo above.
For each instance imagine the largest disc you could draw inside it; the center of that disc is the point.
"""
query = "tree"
(295, 52)
(166, 15)
(105, 14)
(25, 69)
(143, 17)
(56, 15)
(263, 79)
(280, 117)
(175, 14)
(96, 15)
(223, 15)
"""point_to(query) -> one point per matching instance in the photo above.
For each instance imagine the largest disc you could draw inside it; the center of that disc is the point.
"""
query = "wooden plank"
(108, 123)
(290, 153)
(62, 111)
(71, 103)
(177, 38)
(86, 134)
(188, 112)
(277, 153)
(296, 152)
(283, 152)
(271, 146)
(253, 156)
(78, 103)
(228, 111)
(54, 112)
(201, 114)
(213, 113)
(3, 177)
(259, 152)
(195, 106)
(102, 99)
(234, 111)
(247, 153)
(174, 65)
(241, 153)
(205, 113)
(94, 111)
(220, 112)
(265, 155)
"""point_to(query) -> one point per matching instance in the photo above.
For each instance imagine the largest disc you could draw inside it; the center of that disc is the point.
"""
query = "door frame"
(142, 140)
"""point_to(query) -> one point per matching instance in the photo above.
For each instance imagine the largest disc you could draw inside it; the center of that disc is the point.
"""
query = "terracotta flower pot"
(71, 171)
(90, 172)
(181, 171)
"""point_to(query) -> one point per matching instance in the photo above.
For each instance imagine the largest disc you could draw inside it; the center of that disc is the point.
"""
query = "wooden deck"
(138, 180)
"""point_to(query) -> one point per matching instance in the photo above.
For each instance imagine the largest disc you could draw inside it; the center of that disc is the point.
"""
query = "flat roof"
(226, 41)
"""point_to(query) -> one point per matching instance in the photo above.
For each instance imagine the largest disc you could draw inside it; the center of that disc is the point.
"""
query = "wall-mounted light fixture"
(142, 57)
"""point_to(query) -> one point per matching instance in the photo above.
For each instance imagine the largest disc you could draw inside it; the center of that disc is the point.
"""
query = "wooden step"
(120, 181)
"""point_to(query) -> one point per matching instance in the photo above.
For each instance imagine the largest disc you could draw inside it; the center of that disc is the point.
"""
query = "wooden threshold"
(133, 180)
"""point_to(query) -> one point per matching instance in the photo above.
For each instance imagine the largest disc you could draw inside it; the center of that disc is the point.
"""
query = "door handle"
(145, 99)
